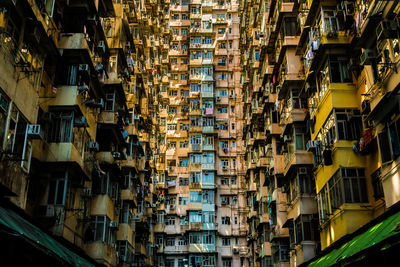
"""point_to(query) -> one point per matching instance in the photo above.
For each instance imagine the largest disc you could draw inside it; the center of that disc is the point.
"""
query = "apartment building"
(79, 81)
(320, 82)
(202, 220)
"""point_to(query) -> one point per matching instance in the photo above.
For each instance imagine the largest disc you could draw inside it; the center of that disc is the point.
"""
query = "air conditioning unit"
(116, 155)
(218, 98)
(367, 57)
(287, 138)
(91, 18)
(83, 67)
(231, 96)
(82, 89)
(311, 145)
(347, 7)
(332, 34)
(302, 170)
(225, 168)
(86, 192)
(171, 207)
(387, 29)
(253, 161)
(365, 107)
(46, 211)
(113, 224)
(93, 146)
(35, 131)
(235, 250)
(80, 121)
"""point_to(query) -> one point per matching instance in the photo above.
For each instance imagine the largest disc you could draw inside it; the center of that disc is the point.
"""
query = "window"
(195, 177)
(195, 159)
(306, 228)
(170, 220)
(222, 76)
(226, 241)
(102, 232)
(195, 197)
(58, 189)
(377, 184)
(290, 28)
(209, 238)
(183, 181)
(207, 40)
(224, 181)
(194, 217)
(183, 144)
(110, 102)
(183, 220)
(301, 138)
(339, 69)
(226, 220)
(60, 129)
(182, 241)
(389, 142)
(183, 162)
(225, 200)
(226, 262)
(172, 127)
(194, 238)
(173, 60)
(221, 61)
(208, 216)
(172, 144)
(208, 197)
(172, 109)
(208, 260)
(170, 263)
(224, 163)
(208, 177)
(208, 157)
(170, 241)
(221, 30)
(183, 201)
(347, 185)
(222, 109)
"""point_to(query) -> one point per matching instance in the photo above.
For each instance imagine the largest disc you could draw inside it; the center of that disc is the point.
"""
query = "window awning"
(380, 234)
(15, 225)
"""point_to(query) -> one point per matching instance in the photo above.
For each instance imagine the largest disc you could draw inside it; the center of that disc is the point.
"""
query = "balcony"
(179, 8)
(202, 248)
(195, 61)
(108, 117)
(176, 249)
(208, 147)
(76, 41)
(207, 94)
(179, 23)
(195, 129)
(300, 157)
(208, 129)
(207, 166)
(207, 61)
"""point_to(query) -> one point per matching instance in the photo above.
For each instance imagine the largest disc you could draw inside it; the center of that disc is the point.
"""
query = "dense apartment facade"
(320, 82)
(202, 220)
(78, 87)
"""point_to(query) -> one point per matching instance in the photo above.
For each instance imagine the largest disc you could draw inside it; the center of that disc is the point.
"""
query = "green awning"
(372, 236)
(18, 226)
